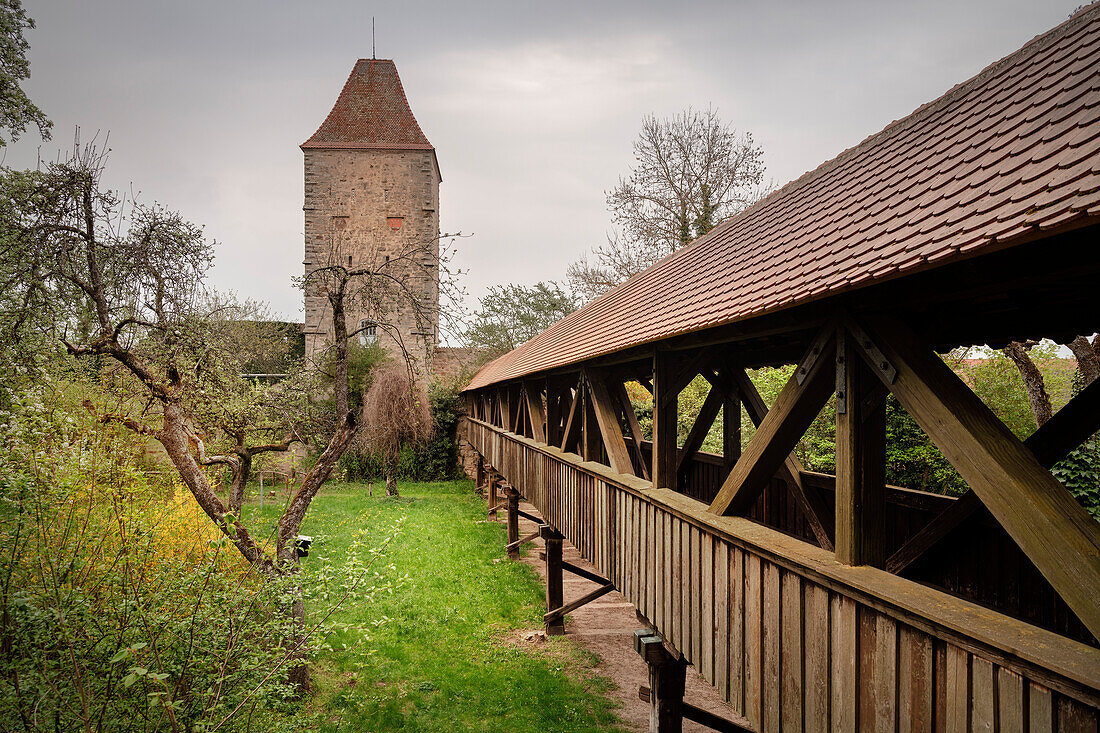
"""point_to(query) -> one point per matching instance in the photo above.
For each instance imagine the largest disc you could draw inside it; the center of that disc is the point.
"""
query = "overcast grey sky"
(532, 107)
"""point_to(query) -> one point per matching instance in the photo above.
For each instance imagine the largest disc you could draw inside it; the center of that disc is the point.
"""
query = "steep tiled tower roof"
(371, 113)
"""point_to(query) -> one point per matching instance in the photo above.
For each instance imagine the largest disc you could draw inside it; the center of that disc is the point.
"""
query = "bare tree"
(122, 284)
(691, 172)
(396, 414)
(1037, 395)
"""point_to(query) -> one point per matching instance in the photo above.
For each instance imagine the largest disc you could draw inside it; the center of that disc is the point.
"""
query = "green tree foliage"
(17, 111)
(511, 314)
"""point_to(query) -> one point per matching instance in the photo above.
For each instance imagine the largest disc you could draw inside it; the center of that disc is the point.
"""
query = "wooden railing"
(981, 563)
(792, 638)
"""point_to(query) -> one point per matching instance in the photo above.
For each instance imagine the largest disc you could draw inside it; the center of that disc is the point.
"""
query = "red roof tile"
(1014, 149)
(371, 113)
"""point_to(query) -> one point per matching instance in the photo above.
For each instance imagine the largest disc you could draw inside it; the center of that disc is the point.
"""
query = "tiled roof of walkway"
(1013, 150)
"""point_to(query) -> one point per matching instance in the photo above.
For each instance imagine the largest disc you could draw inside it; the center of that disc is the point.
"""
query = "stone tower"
(372, 201)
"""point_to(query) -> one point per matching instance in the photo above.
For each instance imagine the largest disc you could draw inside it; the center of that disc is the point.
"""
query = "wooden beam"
(664, 422)
(698, 433)
(606, 416)
(618, 392)
(505, 408)
(559, 613)
(591, 439)
(572, 433)
(586, 574)
(796, 407)
(1049, 444)
(1053, 530)
(535, 412)
(698, 715)
(554, 415)
(818, 514)
(512, 547)
(860, 461)
(553, 540)
(731, 429)
(938, 528)
(1068, 428)
(685, 374)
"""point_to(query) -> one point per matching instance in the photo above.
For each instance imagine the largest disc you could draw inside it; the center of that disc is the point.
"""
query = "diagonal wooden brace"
(559, 613)
(1048, 524)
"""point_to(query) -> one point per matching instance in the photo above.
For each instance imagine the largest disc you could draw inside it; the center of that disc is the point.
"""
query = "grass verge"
(436, 646)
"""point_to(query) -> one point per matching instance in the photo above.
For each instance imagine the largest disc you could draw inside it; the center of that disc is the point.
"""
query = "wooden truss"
(589, 413)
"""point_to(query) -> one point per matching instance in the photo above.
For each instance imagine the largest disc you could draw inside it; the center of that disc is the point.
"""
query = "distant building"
(371, 193)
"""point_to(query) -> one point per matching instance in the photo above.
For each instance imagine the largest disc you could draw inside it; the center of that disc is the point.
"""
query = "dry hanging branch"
(395, 414)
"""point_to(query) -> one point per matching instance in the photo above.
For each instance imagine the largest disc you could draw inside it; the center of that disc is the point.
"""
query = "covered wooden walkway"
(814, 601)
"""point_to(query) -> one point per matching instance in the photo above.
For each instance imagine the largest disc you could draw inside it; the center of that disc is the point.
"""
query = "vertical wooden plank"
(697, 596)
(1040, 709)
(771, 647)
(737, 630)
(675, 597)
(706, 617)
(1074, 717)
(685, 589)
(721, 633)
(754, 640)
(914, 680)
(816, 685)
(886, 668)
(791, 652)
(651, 580)
(1010, 701)
(860, 461)
(667, 572)
(983, 695)
(844, 655)
(865, 679)
(957, 713)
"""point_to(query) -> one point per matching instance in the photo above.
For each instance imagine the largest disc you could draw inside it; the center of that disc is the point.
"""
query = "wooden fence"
(792, 638)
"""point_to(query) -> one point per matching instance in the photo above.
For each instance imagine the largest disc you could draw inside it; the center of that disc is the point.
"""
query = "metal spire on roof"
(373, 50)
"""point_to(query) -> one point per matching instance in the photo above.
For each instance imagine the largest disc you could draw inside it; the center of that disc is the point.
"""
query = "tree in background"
(120, 286)
(17, 111)
(512, 314)
(691, 171)
(396, 414)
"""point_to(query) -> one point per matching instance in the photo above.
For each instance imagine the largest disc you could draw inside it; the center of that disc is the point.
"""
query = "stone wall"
(375, 209)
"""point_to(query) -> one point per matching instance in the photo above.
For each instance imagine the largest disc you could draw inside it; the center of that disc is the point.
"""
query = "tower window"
(395, 222)
(368, 332)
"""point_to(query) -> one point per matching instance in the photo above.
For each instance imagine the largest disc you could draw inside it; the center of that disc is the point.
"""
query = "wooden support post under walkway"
(698, 715)
(513, 522)
(553, 539)
(491, 495)
(667, 674)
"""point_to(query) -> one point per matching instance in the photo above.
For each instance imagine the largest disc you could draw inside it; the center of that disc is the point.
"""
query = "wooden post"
(731, 432)
(860, 460)
(554, 596)
(664, 422)
(513, 521)
(553, 412)
(667, 674)
(479, 473)
(591, 439)
(491, 493)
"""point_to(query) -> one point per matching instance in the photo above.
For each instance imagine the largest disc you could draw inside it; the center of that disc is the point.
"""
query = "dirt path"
(606, 627)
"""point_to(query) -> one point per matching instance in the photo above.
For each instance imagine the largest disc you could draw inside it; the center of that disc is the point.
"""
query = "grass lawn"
(437, 649)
